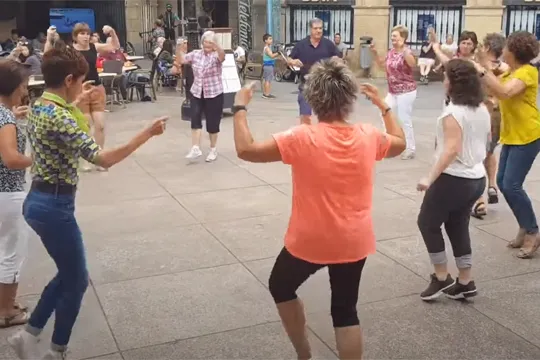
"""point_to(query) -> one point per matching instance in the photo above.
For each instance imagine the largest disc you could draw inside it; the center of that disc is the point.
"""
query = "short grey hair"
(494, 43)
(331, 90)
(208, 35)
(314, 21)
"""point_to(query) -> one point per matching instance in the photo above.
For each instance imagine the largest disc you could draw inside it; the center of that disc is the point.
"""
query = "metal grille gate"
(446, 20)
(148, 16)
(336, 19)
(522, 18)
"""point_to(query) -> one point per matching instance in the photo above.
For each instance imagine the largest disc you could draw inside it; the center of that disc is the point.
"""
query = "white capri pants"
(13, 236)
(402, 106)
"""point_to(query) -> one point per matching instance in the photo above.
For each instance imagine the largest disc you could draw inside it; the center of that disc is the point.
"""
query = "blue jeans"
(514, 165)
(53, 218)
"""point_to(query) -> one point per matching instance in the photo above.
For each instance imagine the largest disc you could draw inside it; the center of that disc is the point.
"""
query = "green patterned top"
(57, 141)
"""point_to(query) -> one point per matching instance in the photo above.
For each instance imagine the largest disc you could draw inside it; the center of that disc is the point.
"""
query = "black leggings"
(449, 201)
(290, 272)
(212, 109)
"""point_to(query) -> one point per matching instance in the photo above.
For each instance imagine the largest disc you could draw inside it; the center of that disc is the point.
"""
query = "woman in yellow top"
(517, 90)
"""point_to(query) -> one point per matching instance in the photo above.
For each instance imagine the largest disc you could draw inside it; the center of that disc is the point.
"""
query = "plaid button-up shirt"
(207, 80)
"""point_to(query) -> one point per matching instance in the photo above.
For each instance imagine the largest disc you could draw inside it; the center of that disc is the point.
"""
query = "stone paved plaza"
(179, 255)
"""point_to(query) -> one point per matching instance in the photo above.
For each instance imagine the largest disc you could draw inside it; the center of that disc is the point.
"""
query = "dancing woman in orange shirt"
(333, 165)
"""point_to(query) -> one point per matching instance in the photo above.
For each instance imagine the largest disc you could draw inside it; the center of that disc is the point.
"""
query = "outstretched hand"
(21, 112)
(372, 94)
(158, 126)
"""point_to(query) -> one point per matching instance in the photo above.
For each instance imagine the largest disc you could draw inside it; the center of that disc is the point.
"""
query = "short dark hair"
(168, 46)
(523, 45)
(266, 37)
(337, 34)
(494, 42)
(14, 31)
(13, 74)
(58, 63)
(468, 35)
(465, 85)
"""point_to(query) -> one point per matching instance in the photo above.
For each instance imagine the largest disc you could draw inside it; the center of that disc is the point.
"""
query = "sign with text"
(428, 2)
(245, 25)
(321, 2)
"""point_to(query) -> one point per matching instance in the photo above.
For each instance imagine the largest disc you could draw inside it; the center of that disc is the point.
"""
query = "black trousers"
(449, 201)
(212, 109)
(290, 272)
(170, 34)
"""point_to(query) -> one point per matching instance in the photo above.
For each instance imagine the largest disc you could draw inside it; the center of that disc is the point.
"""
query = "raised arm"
(515, 86)
(246, 147)
(409, 58)
(443, 58)
(379, 60)
(394, 132)
(293, 59)
(111, 46)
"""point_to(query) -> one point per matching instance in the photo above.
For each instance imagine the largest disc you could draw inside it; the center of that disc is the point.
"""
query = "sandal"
(518, 241)
(528, 252)
(479, 210)
(493, 195)
(20, 318)
(20, 307)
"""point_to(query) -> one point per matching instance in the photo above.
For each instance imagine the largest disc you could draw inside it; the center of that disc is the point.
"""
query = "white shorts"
(13, 236)
(426, 61)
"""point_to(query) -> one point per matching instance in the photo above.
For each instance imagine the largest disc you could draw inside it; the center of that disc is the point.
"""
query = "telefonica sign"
(320, 2)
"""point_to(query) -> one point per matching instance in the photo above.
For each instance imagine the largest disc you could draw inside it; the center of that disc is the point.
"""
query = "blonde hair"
(402, 30)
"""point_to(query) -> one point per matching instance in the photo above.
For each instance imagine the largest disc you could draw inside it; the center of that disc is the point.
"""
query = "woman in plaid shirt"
(207, 91)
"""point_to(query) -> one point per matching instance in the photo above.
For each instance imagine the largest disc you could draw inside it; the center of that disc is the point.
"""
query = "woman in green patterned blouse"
(58, 137)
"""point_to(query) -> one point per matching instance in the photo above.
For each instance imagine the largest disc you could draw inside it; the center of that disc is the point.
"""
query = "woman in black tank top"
(94, 106)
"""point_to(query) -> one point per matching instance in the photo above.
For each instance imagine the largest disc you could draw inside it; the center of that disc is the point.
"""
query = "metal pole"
(182, 9)
(269, 16)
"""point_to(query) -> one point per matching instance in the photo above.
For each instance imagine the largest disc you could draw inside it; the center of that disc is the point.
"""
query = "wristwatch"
(386, 111)
(237, 108)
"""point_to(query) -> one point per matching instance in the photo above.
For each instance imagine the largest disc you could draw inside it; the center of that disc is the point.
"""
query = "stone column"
(371, 18)
(483, 16)
(136, 22)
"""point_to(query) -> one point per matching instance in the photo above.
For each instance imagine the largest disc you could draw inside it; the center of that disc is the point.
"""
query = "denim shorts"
(268, 73)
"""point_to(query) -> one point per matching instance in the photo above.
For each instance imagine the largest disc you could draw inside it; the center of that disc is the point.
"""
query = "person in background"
(269, 62)
(181, 51)
(12, 42)
(493, 45)
(166, 59)
(399, 63)
(24, 53)
(159, 46)
(342, 48)
(455, 181)
(49, 208)
(157, 33)
(330, 226)
(39, 42)
(517, 91)
(95, 38)
(239, 57)
(13, 162)
(426, 59)
(305, 53)
(170, 21)
(449, 48)
(207, 91)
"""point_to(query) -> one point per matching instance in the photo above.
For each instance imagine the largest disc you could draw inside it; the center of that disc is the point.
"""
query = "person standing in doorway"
(170, 22)
(307, 52)
(269, 62)
(399, 64)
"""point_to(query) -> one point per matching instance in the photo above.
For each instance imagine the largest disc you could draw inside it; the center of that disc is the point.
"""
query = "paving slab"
(179, 253)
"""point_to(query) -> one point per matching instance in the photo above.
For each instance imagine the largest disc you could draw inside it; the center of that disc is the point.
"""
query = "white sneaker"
(212, 155)
(408, 155)
(25, 345)
(194, 153)
(54, 355)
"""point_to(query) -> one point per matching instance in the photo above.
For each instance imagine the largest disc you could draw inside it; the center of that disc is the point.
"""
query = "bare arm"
(10, 155)
(220, 53)
(379, 60)
(109, 157)
(249, 150)
(452, 146)
(409, 58)
(508, 90)
(109, 47)
(270, 53)
(394, 131)
(443, 58)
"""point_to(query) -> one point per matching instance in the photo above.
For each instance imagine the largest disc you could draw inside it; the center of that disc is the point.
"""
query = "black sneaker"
(459, 291)
(436, 288)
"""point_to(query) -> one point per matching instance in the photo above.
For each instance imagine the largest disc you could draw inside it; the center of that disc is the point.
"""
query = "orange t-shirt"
(332, 175)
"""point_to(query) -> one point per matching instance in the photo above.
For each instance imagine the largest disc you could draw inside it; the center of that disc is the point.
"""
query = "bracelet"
(386, 111)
